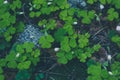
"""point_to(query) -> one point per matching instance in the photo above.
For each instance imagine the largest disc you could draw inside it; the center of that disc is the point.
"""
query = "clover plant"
(116, 39)
(116, 3)
(105, 1)
(22, 54)
(23, 75)
(96, 72)
(45, 41)
(69, 48)
(112, 14)
(91, 1)
(87, 16)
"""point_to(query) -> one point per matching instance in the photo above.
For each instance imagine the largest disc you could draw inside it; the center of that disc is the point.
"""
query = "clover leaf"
(12, 64)
(62, 60)
(46, 41)
(112, 14)
(28, 46)
(24, 65)
(65, 44)
(59, 34)
(91, 1)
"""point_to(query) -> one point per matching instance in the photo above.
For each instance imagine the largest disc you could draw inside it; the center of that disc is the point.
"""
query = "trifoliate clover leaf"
(103, 2)
(65, 44)
(36, 53)
(24, 65)
(51, 25)
(10, 57)
(69, 56)
(3, 62)
(62, 60)
(60, 54)
(73, 43)
(86, 20)
(12, 64)
(20, 49)
(46, 41)
(32, 14)
(95, 70)
(28, 46)
(96, 47)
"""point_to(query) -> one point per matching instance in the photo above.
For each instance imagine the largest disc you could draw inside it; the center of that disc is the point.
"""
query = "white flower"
(74, 23)
(17, 55)
(72, 52)
(5, 2)
(101, 6)
(56, 49)
(118, 28)
(21, 12)
(49, 3)
(109, 57)
(110, 73)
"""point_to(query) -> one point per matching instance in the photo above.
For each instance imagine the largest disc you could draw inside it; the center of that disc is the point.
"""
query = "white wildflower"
(110, 73)
(75, 23)
(49, 3)
(118, 28)
(109, 57)
(21, 12)
(101, 6)
(17, 55)
(56, 49)
(5, 2)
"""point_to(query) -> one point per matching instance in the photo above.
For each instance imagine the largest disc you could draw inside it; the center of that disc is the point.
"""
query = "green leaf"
(36, 53)
(96, 47)
(73, 43)
(28, 46)
(24, 65)
(91, 1)
(32, 14)
(109, 1)
(23, 75)
(69, 56)
(2, 77)
(51, 25)
(62, 60)
(60, 54)
(12, 64)
(65, 44)
(91, 14)
(83, 41)
(20, 27)
(86, 20)
(43, 22)
(59, 34)
(49, 38)
(20, 49)
(1, 70)
(46, 41)
(3, 62)
(103, 2)
(10, 57)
